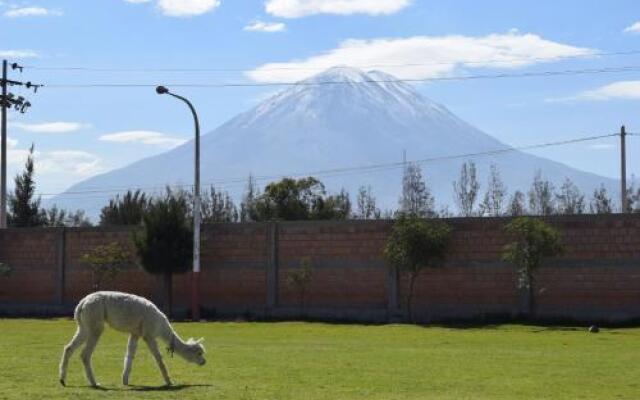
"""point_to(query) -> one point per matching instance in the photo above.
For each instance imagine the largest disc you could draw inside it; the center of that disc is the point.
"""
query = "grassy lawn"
(320, 361)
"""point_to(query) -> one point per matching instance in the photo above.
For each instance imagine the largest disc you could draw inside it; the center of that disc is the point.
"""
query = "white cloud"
(12, 142)
(261, 26)
(423, 57)
(144, 137)
(18, 54)
(623, 90)
(23, 12)
(302, 8)
(182, 8)
(635, 28)
(76, 162)
(51, 127)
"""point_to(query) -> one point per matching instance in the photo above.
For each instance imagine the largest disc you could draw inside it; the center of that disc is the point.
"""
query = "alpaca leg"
(153, 347)
(128, 358)
(87, 352)
(69, 349)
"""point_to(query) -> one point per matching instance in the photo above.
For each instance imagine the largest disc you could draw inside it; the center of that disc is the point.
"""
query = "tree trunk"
(168, 293)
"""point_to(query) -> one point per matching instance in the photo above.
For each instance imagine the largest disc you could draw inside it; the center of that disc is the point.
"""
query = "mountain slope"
(322, 125)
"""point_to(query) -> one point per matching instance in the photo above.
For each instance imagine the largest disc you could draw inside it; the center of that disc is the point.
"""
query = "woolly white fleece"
(130, 314)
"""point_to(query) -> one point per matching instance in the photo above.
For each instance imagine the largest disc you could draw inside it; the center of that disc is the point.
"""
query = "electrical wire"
(372, 168)
(361, 66)
(633, 68)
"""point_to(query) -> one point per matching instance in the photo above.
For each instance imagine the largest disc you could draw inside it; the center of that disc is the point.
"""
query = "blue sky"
(83, 131)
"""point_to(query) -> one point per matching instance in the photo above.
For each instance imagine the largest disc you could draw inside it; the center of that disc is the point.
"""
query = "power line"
(362, 66)
(633, 68)
(372, 168)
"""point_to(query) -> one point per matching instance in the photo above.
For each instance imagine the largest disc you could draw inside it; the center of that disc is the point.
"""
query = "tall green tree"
(248, 204)
(299, 200)
(24, 209)
(533, 240)
(466, 189)
(366, 203)
(541, 200)
(416, 196)
(165, 244)
(516, 205)
(494, 198)
(570, 199)
(415, 244)
(601, 203)
(218, 206)
(126, 210)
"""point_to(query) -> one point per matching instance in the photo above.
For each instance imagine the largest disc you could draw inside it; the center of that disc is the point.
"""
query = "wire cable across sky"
(372, 168)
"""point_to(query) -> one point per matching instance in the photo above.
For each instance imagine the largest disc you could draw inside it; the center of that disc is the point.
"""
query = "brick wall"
(245, 269)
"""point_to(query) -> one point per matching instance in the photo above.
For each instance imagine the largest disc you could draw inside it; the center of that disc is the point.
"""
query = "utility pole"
(623, 170)
(3, 148)
(7, 101)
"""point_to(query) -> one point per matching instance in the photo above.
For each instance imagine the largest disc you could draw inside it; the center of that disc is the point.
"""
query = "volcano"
(327, 126)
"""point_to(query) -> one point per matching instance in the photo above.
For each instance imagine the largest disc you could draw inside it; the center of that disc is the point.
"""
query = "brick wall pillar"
(60, 238)
(272, 265)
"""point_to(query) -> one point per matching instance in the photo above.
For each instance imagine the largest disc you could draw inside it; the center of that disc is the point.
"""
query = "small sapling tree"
(105, 262)
(533, 241)
(415, 244)
(165, 245)
(299, 279)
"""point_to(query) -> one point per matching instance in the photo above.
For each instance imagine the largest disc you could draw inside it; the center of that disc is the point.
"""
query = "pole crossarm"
(9, 101)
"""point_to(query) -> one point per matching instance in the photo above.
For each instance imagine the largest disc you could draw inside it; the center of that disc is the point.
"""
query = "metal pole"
(623, 170)
(195, 277)
(3, 149)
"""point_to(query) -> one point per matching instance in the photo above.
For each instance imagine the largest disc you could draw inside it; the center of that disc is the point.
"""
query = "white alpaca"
(130, 314)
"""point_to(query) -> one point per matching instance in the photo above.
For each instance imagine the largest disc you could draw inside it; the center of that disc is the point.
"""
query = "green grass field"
(321, 361)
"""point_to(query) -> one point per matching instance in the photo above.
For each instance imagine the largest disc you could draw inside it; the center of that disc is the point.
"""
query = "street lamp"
(195, 301)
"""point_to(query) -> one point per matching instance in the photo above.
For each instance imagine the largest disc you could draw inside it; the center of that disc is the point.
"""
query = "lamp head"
(162, 90)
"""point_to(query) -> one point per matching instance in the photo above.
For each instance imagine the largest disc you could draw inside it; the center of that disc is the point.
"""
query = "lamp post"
(195, 298)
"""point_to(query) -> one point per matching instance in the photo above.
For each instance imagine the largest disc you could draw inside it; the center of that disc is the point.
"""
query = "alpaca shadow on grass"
(165, 388)
(142, 388)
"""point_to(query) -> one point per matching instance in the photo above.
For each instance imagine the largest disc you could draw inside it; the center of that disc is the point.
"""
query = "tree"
(366, 203)
(24, 210)
(217, 206)
(533, 241)
(248, 204)
(105, 262)
(299, 200)
(466, 189)
(165, 245)
(601, 202)
(416, 197)
(570, 199)
(55, 217)
(299, 280)
(516, 206)
(633, 197)
(541, 200)
(415, 244)
(126, 210)
(337, 207)
(493, 203)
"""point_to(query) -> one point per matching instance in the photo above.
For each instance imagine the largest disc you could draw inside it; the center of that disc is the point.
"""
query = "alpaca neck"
(177, 345)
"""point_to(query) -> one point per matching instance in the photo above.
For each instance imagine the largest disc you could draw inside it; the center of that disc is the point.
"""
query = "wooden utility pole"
(623, 170)
(3, 147)
(20, 104)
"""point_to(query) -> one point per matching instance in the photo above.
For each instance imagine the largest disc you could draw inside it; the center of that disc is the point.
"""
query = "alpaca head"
(194, 351)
